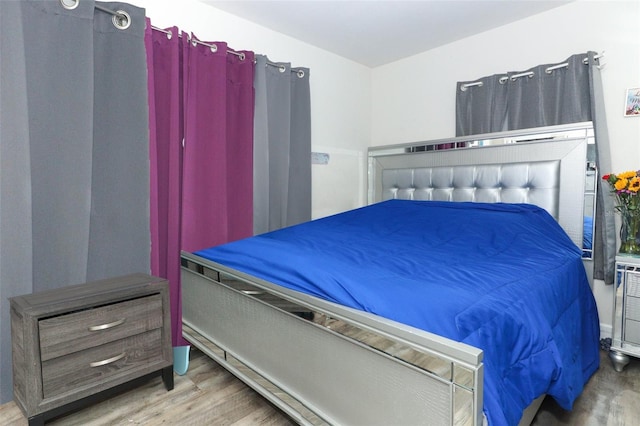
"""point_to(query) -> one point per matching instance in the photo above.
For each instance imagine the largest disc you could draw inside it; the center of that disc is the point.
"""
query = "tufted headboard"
(549, 173)
(534, 183)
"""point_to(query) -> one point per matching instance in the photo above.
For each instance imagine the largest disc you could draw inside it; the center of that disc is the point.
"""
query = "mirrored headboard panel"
(551, 167)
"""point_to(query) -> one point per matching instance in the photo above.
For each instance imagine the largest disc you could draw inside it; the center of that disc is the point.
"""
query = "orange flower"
(626, 188)
(621, 183)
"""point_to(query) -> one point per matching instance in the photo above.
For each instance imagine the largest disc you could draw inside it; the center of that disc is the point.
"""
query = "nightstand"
(80, 344)
(626, 312)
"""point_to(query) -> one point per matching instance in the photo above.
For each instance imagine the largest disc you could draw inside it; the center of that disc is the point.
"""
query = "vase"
(629, 233)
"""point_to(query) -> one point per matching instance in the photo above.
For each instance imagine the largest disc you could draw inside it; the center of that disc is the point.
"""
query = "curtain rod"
(122, 20)
(529, 74)
(282, 68)
(194, 41)
(214, 48)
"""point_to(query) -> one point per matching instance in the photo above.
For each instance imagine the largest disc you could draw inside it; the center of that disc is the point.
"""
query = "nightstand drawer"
(632, 308)
(632, 332)
(101, 363)
(633, 283)
(79, 344)
(65, 334)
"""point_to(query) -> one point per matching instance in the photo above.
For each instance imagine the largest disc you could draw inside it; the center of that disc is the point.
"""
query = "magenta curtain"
(165, 155)
(218, 153)
(201, 136)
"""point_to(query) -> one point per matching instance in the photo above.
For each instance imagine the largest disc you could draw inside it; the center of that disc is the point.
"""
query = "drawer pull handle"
(108, 360)
(106, 326)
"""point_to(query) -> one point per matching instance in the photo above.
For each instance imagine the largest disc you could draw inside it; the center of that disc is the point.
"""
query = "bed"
(416, 309)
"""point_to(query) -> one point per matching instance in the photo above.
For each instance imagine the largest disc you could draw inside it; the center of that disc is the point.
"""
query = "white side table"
(626, 311)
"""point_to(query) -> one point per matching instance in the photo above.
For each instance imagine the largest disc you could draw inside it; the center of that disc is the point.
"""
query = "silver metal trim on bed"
(325, 363)
(513, 173)
(533, 183)
(449, 378)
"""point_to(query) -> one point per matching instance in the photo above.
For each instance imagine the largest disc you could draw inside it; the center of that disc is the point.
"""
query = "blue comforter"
(504, 278)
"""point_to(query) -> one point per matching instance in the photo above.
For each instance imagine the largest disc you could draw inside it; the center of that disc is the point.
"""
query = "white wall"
(340, 94)
(414, 99)
(353, 107)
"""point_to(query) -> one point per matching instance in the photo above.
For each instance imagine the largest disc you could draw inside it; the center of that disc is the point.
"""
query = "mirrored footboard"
(325, 364)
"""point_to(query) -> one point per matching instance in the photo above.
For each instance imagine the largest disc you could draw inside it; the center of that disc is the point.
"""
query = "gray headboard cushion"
(550, 174)
(534, 183)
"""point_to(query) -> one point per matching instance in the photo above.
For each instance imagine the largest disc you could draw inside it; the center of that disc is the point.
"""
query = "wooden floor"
(209, 395)
(609, 399)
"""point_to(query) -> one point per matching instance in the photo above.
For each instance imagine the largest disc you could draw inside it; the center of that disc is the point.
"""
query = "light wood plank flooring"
(209, 395)
(609, 399)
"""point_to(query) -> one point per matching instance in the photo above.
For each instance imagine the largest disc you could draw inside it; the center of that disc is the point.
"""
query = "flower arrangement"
(625, 186)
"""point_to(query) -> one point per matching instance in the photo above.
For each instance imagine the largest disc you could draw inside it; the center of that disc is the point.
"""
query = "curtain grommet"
(300, 73)
(69, 4)
(121, 20)
(514, 77)
(465, 87)
(211, 47)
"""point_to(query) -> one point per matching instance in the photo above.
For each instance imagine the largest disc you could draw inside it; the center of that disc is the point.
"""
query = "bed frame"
(324, 363)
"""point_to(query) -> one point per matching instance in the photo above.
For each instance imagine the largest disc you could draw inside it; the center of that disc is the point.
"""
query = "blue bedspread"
(504, 278)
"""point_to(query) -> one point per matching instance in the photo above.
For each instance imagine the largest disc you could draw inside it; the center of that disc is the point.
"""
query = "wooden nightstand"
(81, 344)
(626, 311)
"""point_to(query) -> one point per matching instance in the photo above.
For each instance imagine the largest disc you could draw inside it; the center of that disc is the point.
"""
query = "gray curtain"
(481, 108)
(549, 98)
(605, 228)
(282, 146)
(547, 95)
(74, 200)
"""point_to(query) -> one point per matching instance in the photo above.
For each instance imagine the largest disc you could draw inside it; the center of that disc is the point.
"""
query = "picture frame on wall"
(632, 103)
